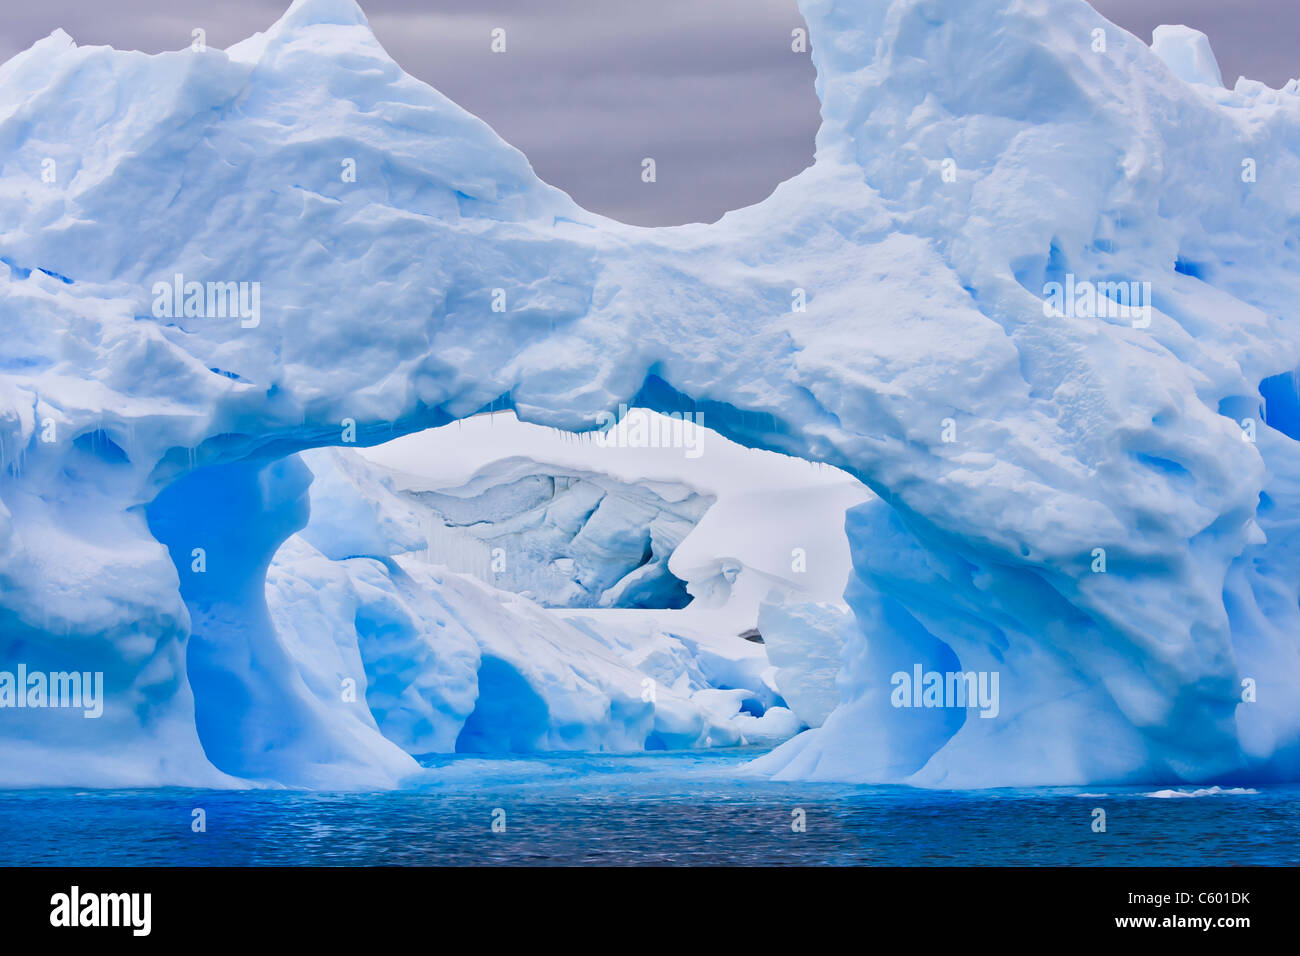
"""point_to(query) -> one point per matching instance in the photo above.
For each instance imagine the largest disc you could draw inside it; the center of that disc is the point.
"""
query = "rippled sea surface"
(651, 809)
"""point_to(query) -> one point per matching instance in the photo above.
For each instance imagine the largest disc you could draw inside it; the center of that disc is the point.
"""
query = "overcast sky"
(709, 88)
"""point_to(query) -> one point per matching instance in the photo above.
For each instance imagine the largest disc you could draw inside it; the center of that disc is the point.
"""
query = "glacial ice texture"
(971, 153)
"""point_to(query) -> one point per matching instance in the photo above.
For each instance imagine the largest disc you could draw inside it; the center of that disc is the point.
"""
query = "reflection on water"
(650, 809)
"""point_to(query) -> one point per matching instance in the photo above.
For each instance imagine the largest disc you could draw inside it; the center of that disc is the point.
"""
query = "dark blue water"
(645, 809)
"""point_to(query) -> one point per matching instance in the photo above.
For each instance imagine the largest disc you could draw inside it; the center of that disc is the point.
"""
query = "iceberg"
(218, 265)
(483, 657)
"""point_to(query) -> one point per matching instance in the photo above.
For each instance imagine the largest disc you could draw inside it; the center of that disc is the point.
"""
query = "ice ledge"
(1187, 53)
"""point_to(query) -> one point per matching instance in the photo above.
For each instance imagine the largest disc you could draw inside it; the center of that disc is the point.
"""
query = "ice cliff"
(1097, 506)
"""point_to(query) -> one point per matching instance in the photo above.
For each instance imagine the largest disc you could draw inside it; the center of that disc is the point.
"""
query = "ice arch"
(873, 306)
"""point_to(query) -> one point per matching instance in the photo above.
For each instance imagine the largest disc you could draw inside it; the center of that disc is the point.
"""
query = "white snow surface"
(764, 505)
(128, 440)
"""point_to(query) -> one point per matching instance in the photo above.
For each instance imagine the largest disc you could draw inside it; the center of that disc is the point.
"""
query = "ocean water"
(648, 809)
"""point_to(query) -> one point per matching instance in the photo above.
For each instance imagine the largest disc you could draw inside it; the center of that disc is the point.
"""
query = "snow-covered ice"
(473, 659)
(1099, 506)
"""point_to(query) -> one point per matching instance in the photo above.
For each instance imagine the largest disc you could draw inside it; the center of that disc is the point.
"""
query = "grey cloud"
(710, 89)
